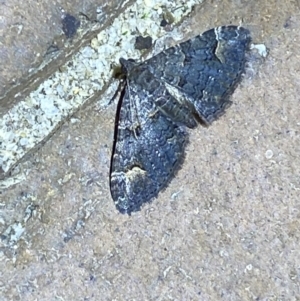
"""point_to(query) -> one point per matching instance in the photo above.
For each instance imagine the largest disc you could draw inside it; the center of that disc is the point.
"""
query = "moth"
(176, 89)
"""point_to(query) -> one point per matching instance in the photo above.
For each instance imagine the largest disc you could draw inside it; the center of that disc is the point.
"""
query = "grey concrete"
(27, 32)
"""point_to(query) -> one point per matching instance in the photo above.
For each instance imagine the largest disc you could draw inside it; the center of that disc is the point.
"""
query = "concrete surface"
(226, 228)
(33, 44)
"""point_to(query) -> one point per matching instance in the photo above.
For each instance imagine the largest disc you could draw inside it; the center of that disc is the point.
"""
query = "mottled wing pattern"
(204, 70)
(162, 96)
(149, 146)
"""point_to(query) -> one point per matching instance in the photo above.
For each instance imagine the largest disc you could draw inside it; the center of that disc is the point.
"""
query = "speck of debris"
(164, 23)
(168, 17)
(143, 43)
(261, 49)
(269, 154)
(70, 25)
(52, 49)
(288, 23)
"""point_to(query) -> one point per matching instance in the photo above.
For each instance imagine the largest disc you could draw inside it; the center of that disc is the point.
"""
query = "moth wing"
(146, 153)
(206, 69)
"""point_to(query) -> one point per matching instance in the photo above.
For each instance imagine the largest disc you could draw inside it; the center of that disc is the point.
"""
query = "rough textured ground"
(226, 228)
(33, 44)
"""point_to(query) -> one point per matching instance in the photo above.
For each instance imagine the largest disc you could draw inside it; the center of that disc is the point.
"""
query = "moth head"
(127, 65)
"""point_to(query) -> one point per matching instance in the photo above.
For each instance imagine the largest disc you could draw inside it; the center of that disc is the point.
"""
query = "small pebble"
(269, 154)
